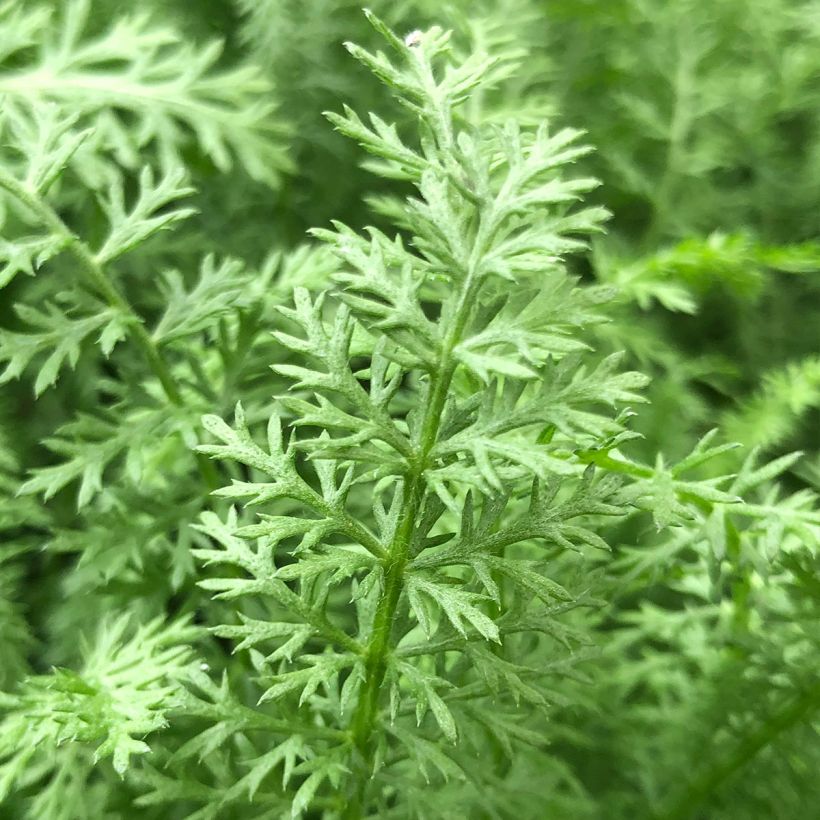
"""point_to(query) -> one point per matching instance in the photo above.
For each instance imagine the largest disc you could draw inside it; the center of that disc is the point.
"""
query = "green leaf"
(148, 214)
(121, 695)
(520, 573)
(219, 291)
(90, 445)
(59, 335)
(457, 605)
(323, 670)
(26, 254)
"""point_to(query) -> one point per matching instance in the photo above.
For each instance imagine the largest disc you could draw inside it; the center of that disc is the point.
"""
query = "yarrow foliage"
(442, 385)
(380, 525)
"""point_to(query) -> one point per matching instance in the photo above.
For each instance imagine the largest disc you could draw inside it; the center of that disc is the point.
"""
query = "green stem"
(395, 563)
(699, 789)
(108, 291)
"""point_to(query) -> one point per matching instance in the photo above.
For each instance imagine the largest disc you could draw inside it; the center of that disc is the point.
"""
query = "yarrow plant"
(363, 528)
(443, 417)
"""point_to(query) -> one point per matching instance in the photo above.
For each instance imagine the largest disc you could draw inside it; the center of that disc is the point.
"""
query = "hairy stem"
(364, 719)
(441, 154)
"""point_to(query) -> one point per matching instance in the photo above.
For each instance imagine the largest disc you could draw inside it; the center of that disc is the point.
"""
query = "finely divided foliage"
(140, 87)
(475, 460)
(431, 576)
(463, 417)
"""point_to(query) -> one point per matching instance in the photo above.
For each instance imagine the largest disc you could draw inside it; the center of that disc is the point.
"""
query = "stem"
(699, 789)
(395, 563)
(109, 292)
(415, 486)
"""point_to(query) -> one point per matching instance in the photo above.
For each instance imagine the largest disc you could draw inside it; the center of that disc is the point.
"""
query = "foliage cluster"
(495, 500)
